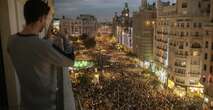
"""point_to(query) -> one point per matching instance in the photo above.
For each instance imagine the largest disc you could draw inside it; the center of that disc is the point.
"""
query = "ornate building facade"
(122, 27)
(83, 24)
(178, 43)
(207, 78)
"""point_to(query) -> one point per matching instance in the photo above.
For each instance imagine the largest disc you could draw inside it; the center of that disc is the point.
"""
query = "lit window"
(183, 63)
(147, 23)
(195, 53)
(153, 22)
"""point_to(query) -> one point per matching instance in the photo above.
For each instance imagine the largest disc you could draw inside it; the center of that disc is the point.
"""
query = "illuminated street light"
(96, 80)
(97, 76)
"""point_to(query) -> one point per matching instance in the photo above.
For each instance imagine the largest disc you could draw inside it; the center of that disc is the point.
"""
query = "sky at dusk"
(102, 9)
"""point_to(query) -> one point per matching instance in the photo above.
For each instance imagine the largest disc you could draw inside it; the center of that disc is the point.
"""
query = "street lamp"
(96, 78)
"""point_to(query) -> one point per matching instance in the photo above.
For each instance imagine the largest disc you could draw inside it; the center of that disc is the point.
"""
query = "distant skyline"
(102, 9)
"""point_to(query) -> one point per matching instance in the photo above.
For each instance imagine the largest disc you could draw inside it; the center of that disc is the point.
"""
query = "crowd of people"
(130, 93)
(127, 90)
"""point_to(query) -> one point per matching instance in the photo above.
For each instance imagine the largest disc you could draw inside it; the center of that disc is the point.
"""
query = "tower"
(158, 6)
(158, 3)
(125, 16)
(125, 11)
(144, 4)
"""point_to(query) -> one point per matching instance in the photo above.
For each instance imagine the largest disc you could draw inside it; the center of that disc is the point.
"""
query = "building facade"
(72, 26)
(143, 31)
(207, 77)
(83, 24)
(178, 43)
(104, 29)
(122, 27)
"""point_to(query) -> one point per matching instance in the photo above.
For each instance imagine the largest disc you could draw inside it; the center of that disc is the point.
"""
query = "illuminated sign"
(83, 64)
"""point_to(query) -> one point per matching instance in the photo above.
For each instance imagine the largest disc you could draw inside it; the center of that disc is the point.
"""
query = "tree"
(83, 36)
(84, 80)
(89, 42)
(131, 54)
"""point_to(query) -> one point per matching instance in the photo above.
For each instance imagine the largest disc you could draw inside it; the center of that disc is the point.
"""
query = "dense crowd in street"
(130, 93)
(126, 90)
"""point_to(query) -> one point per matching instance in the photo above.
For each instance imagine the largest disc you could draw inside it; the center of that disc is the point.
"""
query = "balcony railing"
(179, 65)
(180, 74)
(161, 48)
(180, 82)
(194, 74)
(160, 40)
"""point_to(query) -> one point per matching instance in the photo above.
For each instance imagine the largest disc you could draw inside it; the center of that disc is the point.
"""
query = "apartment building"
(178, 43)
(83, 24)
(143, 31)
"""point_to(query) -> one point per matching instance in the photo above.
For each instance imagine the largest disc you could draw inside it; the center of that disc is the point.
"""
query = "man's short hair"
(34, 9)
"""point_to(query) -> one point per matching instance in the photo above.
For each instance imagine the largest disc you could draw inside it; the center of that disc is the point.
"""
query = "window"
(195, 53)
(208, 9)
(199, 25)
(196, 45)
(212, 58)
(192, 82)
(207, 33)
(199, 5)
(196, 33)
(186, 53)
(187, 43)
(184, 5)
(206, 56)
(195, 25)
(182, 34)
(182, 25)
(187, 33)
(204, 67)
(212, 45)
(207, 44)
(210, 69)
(187, 25)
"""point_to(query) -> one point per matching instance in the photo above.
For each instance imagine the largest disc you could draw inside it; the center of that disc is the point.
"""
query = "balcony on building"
(194, 74)
(180, 72)
(181, 54)
(180, 82)
(179, 65)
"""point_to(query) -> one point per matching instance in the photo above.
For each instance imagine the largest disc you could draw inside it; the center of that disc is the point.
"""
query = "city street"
(116, 82)
(106, 55)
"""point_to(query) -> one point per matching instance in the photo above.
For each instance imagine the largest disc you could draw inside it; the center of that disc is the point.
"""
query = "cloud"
(103, 9)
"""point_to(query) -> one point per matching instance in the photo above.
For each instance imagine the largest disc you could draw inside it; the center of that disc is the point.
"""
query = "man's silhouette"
(33, 58)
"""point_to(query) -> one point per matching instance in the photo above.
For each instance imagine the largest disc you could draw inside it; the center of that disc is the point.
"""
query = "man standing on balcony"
(33, 58)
